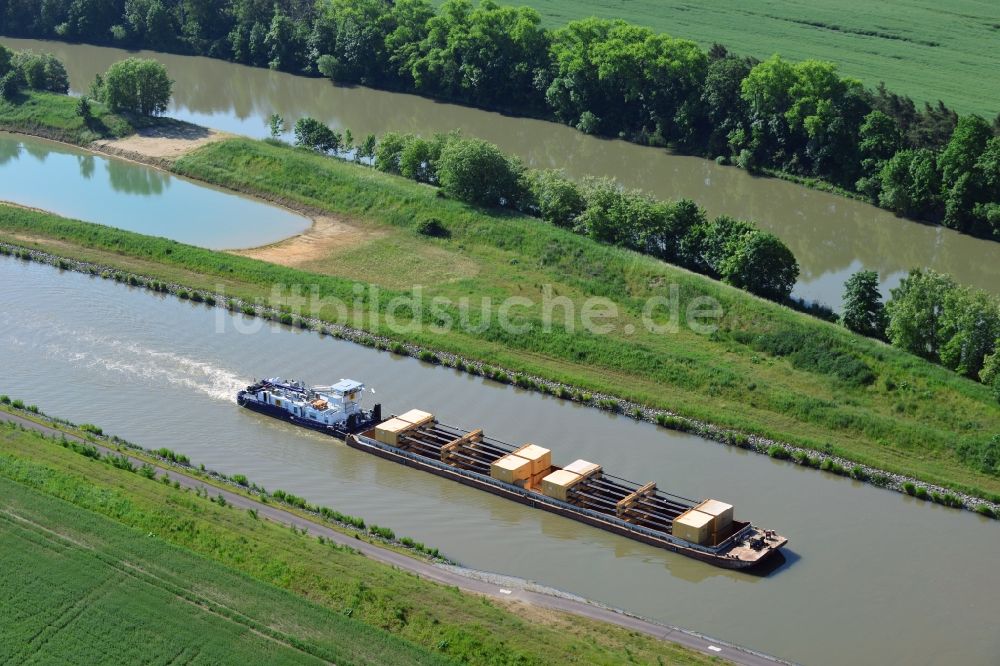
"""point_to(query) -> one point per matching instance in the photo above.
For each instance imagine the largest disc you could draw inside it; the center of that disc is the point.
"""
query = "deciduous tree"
(864, 311)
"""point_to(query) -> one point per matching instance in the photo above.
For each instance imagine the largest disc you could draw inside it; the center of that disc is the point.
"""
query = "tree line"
(602, 76)
(932, 316)
(479, 173)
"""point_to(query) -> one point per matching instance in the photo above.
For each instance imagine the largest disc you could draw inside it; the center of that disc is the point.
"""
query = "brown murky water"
(831, 236)
(871, 576)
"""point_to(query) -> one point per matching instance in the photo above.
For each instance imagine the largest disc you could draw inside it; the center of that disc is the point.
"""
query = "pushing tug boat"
(705, 530)
(334, 409)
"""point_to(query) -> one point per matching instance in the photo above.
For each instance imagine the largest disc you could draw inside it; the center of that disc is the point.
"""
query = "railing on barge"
(566, 506)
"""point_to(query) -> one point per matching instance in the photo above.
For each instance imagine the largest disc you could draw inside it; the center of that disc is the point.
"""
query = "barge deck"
(640, 512)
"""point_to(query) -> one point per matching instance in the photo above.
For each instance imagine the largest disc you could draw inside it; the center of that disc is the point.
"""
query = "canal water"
(84, 186)
(870, 576)
(830, 235)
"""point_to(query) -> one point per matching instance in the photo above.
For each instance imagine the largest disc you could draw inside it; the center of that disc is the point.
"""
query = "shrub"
(241, 480)
(4, 399)
(557, 199)
(778, 452)
(858, 472)
(42, 71)
(136, 85)
(478, 172)
(17, 404)
(809, 351)
(909, 488)
(383, 532)
(433, 227)
(314, 135)
(147, 471)
(920, 493)
(121, 461)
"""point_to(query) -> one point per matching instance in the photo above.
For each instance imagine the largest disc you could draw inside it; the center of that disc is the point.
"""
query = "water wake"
(137, 363)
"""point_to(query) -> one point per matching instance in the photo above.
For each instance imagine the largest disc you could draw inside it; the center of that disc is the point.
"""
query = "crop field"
(78, 588)
(925, 49)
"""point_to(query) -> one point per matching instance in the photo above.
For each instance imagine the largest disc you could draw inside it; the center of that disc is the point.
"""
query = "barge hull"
(719, 560)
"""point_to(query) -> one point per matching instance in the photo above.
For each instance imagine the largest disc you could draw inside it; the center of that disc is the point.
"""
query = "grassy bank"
(205, 576)
(925, 50)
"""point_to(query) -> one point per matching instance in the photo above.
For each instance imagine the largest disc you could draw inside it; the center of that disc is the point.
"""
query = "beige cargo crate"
(583, 467)
(722, 513)
(511, 468)
(388, 432)
(540, 457)
(558, 483)
(416, 417)
(693, 526)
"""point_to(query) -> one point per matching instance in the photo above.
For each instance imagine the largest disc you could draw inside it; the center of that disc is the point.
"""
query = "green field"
(79, 588)
(103, 565)
(927, 50)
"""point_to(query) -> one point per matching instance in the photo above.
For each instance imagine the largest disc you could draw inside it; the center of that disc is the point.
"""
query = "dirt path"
(510, 595)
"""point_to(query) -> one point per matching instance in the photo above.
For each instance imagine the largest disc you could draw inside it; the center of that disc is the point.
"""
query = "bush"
(478, 172)
(762, 264)
(241, 480)
(909, 488)
(42, 71)
(311, 133)
(383, 532)
(818, 353)
(981, 455)
(433, 227)
(557, 199)
(147, 471)
(121, 461)
(137, 85)
(778, 452)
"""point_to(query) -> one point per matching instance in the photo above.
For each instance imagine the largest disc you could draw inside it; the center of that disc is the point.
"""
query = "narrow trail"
(449, 575)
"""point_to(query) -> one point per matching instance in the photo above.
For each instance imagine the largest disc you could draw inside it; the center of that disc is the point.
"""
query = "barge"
(705, 530)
